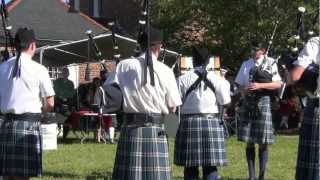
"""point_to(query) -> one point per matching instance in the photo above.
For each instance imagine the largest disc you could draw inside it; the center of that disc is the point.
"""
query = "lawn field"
(91, 160)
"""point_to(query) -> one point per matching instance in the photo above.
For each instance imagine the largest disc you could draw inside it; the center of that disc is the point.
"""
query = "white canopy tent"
(77, 51)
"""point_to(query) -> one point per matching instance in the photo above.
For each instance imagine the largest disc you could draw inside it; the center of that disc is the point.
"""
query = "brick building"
(127, 12)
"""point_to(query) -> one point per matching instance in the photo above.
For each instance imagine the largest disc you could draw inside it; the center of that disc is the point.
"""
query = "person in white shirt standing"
(257, 79)
(25, 92)
(200, 137)
(308, 163)
(142, 151)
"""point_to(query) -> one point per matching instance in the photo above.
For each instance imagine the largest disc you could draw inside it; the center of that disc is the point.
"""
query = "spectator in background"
(287, 106)
(64, 89)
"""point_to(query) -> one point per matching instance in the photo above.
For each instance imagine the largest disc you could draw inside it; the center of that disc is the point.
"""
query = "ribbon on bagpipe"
(144, 28)
(7, 32)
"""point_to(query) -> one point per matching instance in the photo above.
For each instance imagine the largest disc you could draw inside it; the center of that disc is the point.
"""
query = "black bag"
(262, 76)
(113, 98)
(309, 78)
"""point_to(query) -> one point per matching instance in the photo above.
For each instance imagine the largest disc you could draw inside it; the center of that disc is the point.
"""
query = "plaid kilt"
(308, 165)
(20, 148)
(142, 153)
(200, 141)
(260, 129)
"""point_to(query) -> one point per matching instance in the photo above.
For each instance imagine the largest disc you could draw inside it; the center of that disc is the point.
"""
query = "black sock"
(210, 173)
(250, 153)
(191, 173)
(263, 158)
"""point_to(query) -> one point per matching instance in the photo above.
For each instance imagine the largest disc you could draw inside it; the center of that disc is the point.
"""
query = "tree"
(228, 27)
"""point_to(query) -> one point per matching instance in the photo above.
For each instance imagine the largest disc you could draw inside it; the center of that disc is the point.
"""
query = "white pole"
(41, 55)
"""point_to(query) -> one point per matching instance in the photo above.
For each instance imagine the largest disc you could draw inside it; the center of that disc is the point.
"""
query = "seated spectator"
(64, 89)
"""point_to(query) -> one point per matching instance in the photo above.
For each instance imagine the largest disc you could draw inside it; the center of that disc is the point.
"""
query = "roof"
(51, 20)
(61, 34)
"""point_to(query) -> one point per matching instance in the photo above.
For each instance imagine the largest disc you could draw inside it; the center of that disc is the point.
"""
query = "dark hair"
(156, 37)
(23, 38)
(256, 45)
(200, 56)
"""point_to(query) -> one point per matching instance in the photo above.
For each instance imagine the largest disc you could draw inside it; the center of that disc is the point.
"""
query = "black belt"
(140, 119)
(25, 116)
(215, 115)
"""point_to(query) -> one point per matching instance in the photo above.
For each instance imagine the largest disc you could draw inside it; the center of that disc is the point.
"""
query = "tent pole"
(41, 55)
(78, 83)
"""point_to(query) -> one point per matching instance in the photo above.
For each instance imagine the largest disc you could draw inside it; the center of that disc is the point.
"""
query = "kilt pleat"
(20, 148)
(200, 141)
(260, 129)
(308, 165)
(142, 154)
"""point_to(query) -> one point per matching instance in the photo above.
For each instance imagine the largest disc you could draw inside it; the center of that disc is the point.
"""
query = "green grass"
(95, 161)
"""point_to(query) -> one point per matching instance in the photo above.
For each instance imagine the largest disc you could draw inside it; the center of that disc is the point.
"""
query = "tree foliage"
(228, 26)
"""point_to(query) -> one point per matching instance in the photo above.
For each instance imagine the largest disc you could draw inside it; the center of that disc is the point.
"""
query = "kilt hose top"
(142, 152)
(200, 141)
(308, 165)
(257, 130)
(20, 146)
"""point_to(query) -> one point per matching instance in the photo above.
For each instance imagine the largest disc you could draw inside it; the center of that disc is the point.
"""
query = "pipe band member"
(257, 77)
(308, 163)
(24, 94)
(200, 137)
(142, 151)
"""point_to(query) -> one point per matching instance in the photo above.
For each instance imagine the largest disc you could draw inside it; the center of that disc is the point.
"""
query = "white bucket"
(49, 136)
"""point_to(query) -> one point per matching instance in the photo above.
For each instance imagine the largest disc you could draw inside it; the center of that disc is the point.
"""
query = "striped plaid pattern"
(142, 154)
(308, 163)
(1, 120)
(259, 130)
(20, 148)
(200, 141)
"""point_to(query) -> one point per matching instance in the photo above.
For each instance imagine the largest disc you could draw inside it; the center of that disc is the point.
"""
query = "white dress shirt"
(202, 100)
(270, 65)
(140, 98)
(24, 94)
(309, 54)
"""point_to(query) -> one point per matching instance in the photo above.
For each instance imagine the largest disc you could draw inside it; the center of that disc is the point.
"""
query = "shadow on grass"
(222, 178)
(92, 176)
(60, 175)
(69, 141)
(99, 175)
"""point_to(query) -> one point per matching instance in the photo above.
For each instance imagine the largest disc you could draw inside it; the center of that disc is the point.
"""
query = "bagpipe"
(98, 54)
(308, 80)
(9, 42)
(144, 31)
(112, 93)
(260, 73)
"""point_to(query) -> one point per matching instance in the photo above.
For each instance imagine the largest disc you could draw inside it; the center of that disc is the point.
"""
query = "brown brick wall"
(95, 69)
